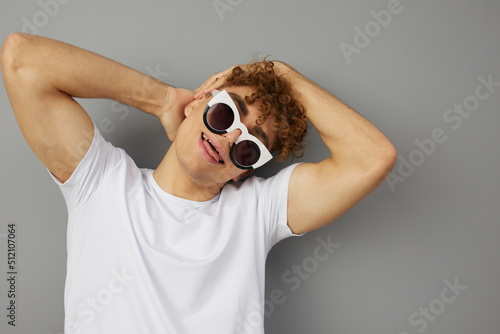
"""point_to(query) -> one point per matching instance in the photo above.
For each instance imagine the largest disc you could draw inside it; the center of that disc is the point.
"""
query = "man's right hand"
(172, 115)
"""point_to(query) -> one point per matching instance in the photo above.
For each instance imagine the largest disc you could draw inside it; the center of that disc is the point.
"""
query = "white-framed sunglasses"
(221, 116)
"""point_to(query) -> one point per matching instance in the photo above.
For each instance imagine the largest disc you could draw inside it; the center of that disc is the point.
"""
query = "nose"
(232, 136)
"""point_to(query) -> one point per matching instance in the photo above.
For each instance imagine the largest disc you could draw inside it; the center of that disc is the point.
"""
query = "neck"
(173, 179)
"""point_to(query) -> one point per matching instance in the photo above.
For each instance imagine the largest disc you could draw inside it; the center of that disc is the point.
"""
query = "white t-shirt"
(142, 261)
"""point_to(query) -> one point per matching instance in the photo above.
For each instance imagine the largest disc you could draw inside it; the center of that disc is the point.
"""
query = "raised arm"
(41, 76)
(361, 156)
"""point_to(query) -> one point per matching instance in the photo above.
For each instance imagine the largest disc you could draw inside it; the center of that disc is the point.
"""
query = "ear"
(243, 175)
(188, 111)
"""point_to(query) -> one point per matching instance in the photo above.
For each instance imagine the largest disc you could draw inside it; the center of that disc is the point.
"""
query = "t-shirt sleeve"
(274, 198)
(99, 160)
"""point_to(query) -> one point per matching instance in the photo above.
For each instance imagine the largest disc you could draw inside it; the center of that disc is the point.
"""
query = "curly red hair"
(276, 94)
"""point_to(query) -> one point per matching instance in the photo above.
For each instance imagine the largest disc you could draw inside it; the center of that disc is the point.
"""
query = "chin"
(204, 174)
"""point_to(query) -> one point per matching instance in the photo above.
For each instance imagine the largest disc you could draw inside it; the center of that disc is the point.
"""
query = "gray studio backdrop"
(419, 255)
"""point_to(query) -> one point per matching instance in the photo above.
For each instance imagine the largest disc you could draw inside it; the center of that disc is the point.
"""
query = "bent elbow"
(385, 161)
(10, 54)
(380, 161)
(390, 158)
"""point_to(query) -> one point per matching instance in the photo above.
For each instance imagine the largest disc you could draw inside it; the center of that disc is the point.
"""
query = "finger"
(209, 86)
(215, 81)
(204, 85)
(215, 84)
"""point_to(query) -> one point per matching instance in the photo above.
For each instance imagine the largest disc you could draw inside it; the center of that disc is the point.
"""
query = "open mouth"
(211, 149)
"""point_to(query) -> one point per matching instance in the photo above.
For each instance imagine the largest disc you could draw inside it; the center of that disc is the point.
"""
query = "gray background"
(397, 247)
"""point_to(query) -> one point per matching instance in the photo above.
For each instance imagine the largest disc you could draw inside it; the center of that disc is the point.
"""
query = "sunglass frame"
(223, 97)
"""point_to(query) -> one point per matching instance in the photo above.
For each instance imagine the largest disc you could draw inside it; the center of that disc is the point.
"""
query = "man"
(182, 249)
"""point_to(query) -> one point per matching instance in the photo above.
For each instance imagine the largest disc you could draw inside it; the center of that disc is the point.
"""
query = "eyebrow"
(259, 131)
(244, 110)
(239, 101)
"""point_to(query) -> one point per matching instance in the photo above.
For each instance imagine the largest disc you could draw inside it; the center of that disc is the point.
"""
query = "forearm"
(350, 137)
(83, 74)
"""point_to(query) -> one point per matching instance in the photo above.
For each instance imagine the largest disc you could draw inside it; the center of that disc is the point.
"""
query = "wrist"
(151, 96)
(166, 98)
(172, 114)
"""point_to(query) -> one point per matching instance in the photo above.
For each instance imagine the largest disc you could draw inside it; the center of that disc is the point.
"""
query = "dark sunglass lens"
(246, 153)
(220, 116)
